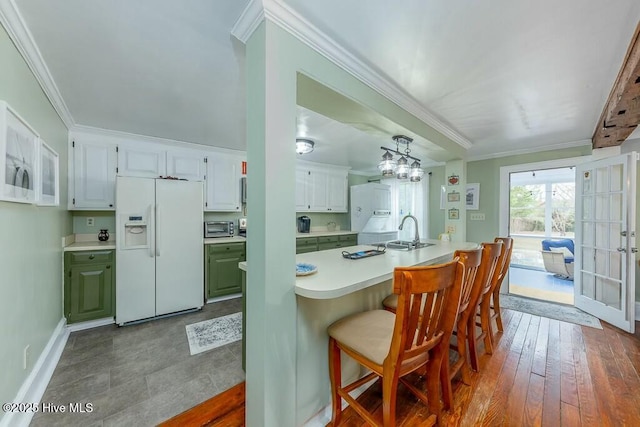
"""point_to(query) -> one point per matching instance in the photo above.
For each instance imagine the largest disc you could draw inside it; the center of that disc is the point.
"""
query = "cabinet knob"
(111, 205)
(92, 256)
(108, 266)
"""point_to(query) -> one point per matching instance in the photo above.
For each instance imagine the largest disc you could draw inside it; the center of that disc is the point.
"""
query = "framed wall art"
(473, 197)
(454, 196)
(19, 160)
(48, 194)
(454, 213)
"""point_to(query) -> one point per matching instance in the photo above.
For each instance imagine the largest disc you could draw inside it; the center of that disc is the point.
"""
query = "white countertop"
(217, 240)
(338, 276)
(90, 246)
(325, 233)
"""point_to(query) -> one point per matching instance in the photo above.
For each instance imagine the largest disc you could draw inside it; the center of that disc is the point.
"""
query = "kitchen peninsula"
(341, 287)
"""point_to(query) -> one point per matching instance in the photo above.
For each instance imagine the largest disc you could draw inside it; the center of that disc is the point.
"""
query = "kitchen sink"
(406, 245)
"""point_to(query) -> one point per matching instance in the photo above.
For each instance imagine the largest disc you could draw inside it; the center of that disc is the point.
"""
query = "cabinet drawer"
(90, 256)
(226, 247)
(328, 245)
(327, 239)
(306, 241)
(348, 238)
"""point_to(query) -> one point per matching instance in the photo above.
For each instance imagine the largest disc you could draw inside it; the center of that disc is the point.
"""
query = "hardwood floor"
(543, 372)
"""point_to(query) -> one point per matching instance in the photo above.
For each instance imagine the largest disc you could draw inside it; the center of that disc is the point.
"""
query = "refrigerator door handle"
(151, 216)
(158, 226)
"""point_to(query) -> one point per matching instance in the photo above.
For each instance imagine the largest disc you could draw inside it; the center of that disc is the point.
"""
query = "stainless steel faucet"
(416, 239)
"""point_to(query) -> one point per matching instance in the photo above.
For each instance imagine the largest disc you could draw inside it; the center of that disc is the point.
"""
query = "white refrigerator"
(159, 252)
(371, 213)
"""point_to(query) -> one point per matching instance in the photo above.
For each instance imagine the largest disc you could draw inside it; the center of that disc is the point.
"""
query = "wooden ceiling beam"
(621, 113)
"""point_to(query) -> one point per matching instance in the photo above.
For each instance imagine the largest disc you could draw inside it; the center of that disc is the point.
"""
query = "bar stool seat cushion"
(391, 301)
(368, 334)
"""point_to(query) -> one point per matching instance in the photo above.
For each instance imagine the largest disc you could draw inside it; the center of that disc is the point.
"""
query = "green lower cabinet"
(89, 285)
(222, 273)
(306, 244)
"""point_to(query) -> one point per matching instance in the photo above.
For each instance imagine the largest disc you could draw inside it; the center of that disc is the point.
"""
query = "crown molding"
(11, 19)
(571, 144)
(246, 24)
(292, 22)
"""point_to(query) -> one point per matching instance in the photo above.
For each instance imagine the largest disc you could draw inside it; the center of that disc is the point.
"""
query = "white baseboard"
(90, 324)
(322, 418)
(36, 383)
(224, 298)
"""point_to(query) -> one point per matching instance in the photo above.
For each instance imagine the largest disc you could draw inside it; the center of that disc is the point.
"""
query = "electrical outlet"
(26, 354)
(90, 222)
(451, 229)
(477, 217)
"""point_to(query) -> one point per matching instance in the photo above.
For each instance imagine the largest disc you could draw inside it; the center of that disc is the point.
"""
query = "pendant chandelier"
(400, 168)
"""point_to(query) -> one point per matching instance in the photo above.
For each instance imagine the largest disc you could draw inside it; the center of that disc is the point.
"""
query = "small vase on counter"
(103, 235)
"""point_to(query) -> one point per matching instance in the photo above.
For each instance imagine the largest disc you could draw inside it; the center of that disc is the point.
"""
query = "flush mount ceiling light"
(304, 146)
(401, 169)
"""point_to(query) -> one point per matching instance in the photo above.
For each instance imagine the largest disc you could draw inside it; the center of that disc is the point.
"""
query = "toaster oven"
(218, 229)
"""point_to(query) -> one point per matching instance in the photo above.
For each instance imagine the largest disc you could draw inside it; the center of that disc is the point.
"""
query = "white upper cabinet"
(94, 175)
(145, 161)
(321, 188)
(223, 182)
(337, 184)
(186, 164)
(301, 190)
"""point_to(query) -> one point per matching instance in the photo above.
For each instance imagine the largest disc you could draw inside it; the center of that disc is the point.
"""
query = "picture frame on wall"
(49, 188)
(19, 158)
(472, 200)
(454, 196)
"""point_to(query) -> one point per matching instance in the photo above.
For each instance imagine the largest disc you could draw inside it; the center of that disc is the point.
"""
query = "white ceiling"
(509, 75)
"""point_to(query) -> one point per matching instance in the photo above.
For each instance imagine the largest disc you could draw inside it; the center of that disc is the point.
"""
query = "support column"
(455, 215)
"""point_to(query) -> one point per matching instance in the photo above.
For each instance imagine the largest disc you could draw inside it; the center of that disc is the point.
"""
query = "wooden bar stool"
(486, 318)
(394, 345)
(492, 261)
(507, 244)
(471, 286)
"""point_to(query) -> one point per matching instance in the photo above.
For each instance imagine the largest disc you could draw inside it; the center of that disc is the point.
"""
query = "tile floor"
(141, 374)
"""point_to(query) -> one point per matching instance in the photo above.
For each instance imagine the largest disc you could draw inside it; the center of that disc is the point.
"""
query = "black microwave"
(218, 229)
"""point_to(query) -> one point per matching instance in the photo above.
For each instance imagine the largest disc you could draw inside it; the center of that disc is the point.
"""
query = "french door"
(604, 274)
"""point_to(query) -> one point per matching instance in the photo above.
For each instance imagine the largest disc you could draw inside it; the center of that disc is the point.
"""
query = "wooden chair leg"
(485, 321)
(471, 340)
(434, 384)
(496, 309)
(445, 380)
(335, 374)
(389, 396)
(462, 353)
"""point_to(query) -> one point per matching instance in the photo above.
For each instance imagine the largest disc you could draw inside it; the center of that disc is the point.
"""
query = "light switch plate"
(477, 217)
(90, 222)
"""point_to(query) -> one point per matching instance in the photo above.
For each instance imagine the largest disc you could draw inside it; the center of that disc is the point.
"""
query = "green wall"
(487, 173)
(30, 236)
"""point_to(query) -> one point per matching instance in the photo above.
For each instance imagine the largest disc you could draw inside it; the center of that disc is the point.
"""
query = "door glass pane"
(602, 235)
(602, 207)
(615, 239)
(587, 259)
(587, 233)
(587, 181)
(615, 263)
(608, 292)
(617, 177)
(616, 207)
(601, 262)
(602, 179)
(587, 207)
(588, 285)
